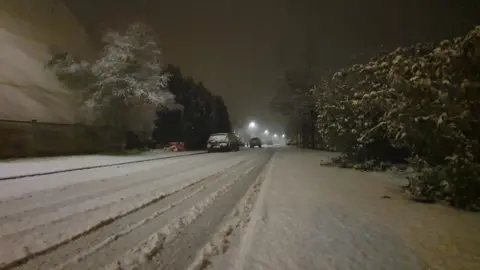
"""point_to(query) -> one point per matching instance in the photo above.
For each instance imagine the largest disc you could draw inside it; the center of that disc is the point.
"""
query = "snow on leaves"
(425, 97)
(128, 79)
(131, 69)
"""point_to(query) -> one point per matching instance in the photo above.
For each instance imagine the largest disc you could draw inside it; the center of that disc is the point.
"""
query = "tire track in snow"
(137, 256)
(94, 251)
(180, 248)
(256, 217)
(37, 216)
(8, 178)
(238, 219)
(15, 257)
(92, 183)
(34, 201)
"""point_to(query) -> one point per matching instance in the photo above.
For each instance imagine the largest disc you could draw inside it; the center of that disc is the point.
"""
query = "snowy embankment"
(312, 217)
(123, 220)
(43, 166)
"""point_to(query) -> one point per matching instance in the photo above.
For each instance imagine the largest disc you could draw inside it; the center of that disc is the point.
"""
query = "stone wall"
(29, 30)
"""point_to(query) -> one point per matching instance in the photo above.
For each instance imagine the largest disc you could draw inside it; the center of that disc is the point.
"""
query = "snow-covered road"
(152, 215)
(257, 209)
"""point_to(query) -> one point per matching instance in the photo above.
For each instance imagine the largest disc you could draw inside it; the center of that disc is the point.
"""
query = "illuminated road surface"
(257, 209)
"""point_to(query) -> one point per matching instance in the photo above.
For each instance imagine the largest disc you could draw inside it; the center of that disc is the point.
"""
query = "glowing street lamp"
(283, 135)
(252, 125)
(274, 135)
(266, 132)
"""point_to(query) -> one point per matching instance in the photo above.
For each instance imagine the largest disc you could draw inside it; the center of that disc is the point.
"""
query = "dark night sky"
(240, 49)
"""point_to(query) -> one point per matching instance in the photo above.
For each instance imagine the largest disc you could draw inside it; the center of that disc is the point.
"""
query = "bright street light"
(252, 125)
(283, 135)
(274, 135)
(266, 132)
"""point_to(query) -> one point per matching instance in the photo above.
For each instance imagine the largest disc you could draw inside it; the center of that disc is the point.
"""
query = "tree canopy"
(125, 85)
(203, 113)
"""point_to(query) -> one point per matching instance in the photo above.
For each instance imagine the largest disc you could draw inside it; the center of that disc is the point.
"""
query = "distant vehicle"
(223, 142)
(255, 141)
(291, 142)
(269, 142)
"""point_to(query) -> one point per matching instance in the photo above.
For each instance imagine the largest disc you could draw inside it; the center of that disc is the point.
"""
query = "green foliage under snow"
(424, 98)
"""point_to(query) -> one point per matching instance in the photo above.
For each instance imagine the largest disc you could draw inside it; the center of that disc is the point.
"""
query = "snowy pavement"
(312, 217)
(38, 166)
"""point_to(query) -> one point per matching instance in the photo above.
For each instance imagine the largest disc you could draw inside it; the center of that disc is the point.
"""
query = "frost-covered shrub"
(424, 98)
(126, 85)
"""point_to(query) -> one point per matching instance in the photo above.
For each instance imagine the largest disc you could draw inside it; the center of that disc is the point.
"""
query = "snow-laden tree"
(131, 69)
(126, 85)
(130, 78)
(425, 98)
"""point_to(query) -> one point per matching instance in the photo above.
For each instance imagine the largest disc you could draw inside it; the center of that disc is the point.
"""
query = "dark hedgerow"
(420, 103)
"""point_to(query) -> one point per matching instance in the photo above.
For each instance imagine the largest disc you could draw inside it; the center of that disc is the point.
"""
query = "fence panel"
(28, 139)
(16, 139)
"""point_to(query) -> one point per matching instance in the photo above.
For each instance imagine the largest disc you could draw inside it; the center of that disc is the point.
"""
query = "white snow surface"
(90, 219)
(225, 241)
(134, 257)
(161, 214)
(309, 216)
(31, 166)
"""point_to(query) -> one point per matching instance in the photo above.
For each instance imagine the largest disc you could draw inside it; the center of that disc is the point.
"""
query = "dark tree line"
(202, 114)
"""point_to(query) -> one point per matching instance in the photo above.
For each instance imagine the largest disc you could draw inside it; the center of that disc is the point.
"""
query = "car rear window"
(218, 137)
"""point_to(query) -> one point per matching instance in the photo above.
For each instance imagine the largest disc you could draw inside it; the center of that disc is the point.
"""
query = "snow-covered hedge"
(424, 98)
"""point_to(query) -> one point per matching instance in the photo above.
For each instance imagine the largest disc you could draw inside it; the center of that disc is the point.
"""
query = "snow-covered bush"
(127, 80)
(424, 98)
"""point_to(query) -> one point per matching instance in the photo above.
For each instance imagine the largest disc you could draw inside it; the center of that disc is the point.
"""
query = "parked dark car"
(223, 142)
(255, 142)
